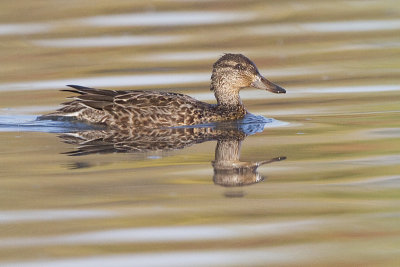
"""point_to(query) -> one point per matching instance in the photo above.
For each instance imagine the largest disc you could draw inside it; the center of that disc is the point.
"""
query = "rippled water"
(313, 182)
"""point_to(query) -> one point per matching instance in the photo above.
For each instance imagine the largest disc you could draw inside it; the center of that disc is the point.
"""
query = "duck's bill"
(264, 84)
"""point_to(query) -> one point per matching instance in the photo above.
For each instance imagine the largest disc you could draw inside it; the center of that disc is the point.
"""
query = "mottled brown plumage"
(152, 109)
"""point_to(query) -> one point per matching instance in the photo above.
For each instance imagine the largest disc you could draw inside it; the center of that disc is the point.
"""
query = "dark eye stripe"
(225, 66)
(240, 67)
(237, 66)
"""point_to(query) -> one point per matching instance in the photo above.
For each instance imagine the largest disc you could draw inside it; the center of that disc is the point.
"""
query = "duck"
(127, 109)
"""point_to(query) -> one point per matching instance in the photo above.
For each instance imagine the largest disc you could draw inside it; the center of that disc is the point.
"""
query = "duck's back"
(125, 109)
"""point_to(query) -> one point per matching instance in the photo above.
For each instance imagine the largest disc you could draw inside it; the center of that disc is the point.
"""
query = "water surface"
(315, 184)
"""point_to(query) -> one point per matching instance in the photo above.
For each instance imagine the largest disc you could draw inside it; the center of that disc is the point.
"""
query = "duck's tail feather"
(86, 97)
(90, 91)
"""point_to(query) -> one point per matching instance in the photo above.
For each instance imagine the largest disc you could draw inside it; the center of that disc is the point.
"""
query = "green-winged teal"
(133, 109)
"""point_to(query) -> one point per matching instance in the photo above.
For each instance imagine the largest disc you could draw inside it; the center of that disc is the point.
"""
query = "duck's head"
(235, 71)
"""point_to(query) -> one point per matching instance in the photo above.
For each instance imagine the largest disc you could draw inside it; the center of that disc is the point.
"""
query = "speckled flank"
(131, 109)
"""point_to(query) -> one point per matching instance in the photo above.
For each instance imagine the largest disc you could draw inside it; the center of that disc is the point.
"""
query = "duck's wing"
(98, 99)
(130, 108)
(158, 108)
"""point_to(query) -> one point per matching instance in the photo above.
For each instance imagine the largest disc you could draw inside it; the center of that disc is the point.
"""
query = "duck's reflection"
(229, 171)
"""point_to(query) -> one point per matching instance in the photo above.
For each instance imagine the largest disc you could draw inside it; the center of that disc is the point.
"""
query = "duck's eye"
(239, 67)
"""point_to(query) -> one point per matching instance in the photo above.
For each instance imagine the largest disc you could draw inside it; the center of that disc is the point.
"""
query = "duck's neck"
(227, 96)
